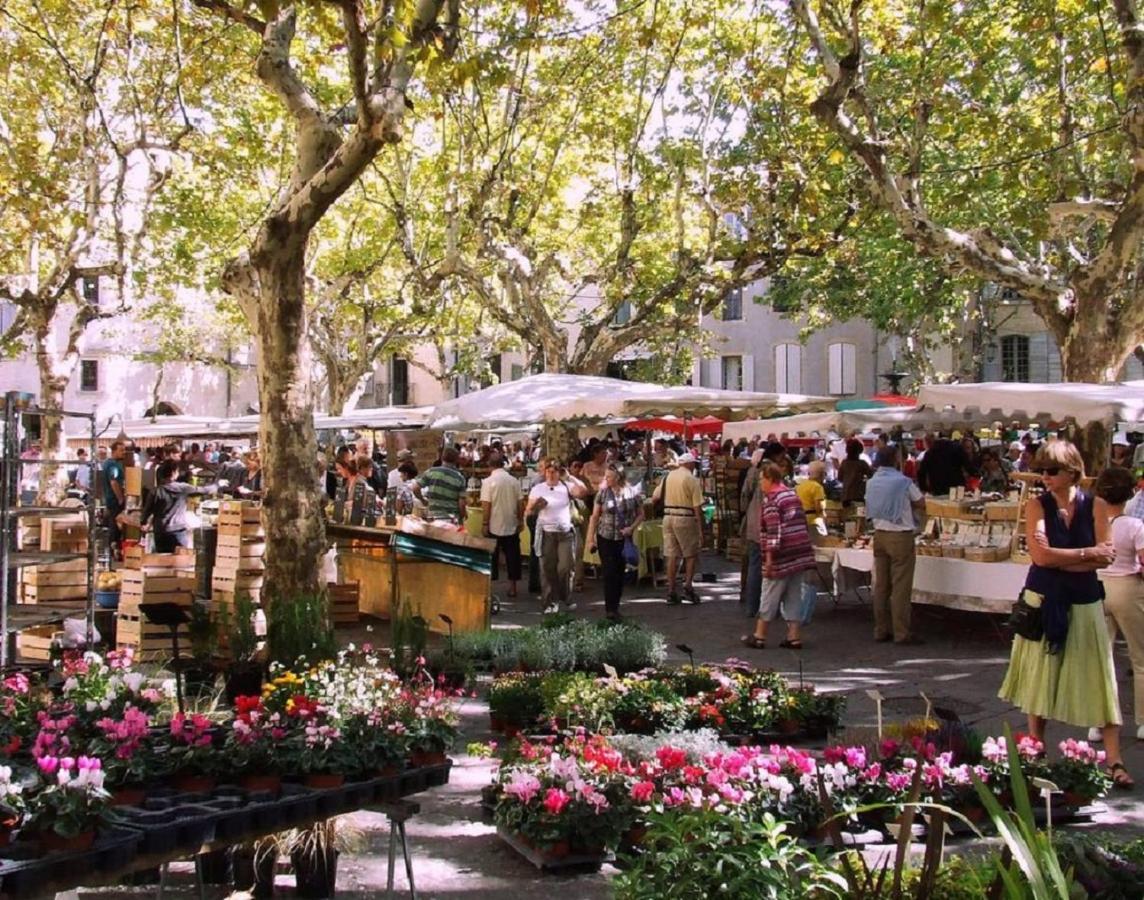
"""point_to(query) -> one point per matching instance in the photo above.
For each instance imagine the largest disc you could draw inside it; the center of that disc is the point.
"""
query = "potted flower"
(11, 804)
(125, 742)
(515, 702)
(1079, 773)
(18, 708)
(194, 761)
(646, 707)
(64, 812)
(252, 745)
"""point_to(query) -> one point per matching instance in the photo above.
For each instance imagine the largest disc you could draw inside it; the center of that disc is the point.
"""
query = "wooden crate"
(240, 518)
(344, 602)
(28, 533)
(223, 598)
(36, 642)
(63, 533)
(73, 571)
(141, 583)
(133, 481)
(33, 593)
(138, 558)
(736, 548)
(233, 581)
(151, 642)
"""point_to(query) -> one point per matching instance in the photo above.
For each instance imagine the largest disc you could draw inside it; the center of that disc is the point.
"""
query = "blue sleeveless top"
(1064, 589)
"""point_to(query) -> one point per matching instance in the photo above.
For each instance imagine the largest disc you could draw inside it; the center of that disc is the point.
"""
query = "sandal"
(792, 645)
(749, 640)
(1120, 777)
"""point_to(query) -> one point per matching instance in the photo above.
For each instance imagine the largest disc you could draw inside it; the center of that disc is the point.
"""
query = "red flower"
(671, 758)
(555, 800)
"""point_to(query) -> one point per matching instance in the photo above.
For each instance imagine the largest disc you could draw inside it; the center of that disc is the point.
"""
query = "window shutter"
(842, 363)
(748, 372)
(697, 372)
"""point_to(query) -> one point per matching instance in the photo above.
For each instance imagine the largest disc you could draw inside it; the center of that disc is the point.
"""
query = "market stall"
(425, 569)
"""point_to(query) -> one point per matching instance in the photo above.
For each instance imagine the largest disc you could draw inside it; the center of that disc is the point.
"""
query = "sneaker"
(551, 609)
(1095, 735)
(1140, 733)
(673, 599)
(569, 606)
(689, 594)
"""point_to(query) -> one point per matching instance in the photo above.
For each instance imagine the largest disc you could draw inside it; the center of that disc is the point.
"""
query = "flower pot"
(6, 829)
(190, 783)
(253, 869)
(315, 873)
(421, 758)
(324, 781)
(389, 770)
(789, 726)
(496, 723)
(272, 783)
(634, 836)
(558, 850)
(50, 842)
(128, 795)
(975, 813)
(1075, 800)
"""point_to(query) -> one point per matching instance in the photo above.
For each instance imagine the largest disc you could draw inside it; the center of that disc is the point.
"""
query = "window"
(842, 363)
(400, 382)
(7, 317)
(733, 305)
(89, 375)
(1014, 357)
(91, 289)
(788, 368)
(623, 314)
(732, 373)
(517, 372)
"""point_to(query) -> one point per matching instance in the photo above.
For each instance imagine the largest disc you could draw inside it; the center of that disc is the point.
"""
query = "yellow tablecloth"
(648, 536)
(475, 525)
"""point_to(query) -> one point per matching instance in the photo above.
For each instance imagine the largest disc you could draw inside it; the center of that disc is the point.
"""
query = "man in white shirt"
(500, 503)
(393, 478)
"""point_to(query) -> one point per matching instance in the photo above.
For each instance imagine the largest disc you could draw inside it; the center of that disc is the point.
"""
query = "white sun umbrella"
(1008, 401)
(589, 399)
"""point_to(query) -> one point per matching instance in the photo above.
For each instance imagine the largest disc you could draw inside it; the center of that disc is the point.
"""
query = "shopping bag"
(809, 599)
(631, 553)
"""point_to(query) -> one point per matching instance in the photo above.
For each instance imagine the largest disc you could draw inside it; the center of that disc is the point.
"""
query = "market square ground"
(456, 853)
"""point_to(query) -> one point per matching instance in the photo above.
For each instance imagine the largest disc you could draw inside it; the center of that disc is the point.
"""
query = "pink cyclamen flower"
(642, 791)
(555, 800)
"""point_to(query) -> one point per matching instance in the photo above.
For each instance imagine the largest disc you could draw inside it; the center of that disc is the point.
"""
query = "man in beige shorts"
(682, 525)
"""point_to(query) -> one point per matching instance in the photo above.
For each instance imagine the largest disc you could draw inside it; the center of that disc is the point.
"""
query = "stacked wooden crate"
(238, 566)
(736, 548)
(153, 578)
(344, 600)
(63, 534)
(64, 583)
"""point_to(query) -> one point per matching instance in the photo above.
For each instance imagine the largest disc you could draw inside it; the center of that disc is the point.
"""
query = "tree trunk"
(292, 502)
(53, 381)
(1090, 358)
(1094, 441)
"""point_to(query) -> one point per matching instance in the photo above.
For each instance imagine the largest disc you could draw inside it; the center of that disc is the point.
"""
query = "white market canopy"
(864, 421)
(146, 430)
(1008, 401)
(551, 397)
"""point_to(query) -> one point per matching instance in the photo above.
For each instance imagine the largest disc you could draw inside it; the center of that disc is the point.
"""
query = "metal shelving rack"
(27, 616)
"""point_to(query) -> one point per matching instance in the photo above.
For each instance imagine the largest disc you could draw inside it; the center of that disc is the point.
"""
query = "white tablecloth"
(957, 583)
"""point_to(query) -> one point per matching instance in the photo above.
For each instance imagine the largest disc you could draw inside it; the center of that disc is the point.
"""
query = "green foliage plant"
(698, 854)
(299, 628)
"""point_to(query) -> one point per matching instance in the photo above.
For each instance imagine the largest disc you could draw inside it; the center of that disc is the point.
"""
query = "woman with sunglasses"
(1067, 675)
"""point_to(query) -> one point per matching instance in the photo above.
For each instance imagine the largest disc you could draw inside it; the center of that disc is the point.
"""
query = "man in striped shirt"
(787, 553)
(443, 488)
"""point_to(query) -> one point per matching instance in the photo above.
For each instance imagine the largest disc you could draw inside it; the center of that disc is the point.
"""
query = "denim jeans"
(754, 590)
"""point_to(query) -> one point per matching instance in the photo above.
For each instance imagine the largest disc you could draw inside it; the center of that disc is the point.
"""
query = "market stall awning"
(1007, 401)
(551, 397)
(380, 418)
(704, 425)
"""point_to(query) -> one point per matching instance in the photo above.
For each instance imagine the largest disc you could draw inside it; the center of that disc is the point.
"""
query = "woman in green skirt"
(1068, 675)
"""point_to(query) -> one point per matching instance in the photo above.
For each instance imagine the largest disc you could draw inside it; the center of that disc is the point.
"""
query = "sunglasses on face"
(1053, 471)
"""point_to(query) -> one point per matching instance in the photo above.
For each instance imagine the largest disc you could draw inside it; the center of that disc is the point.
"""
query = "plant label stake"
(929, 707)
(610, 671)
(690, 653)
(1047, 789)
(876, 696)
